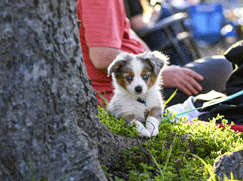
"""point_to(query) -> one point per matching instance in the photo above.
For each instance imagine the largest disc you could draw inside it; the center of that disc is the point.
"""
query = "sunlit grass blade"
(171, 97)
(208, 167)
(105, 100)
(157, 165)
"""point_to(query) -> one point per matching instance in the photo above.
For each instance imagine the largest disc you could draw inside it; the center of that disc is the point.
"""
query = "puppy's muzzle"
(138, 89)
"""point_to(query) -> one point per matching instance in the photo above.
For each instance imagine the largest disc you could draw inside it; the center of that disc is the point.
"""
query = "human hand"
(182, 78)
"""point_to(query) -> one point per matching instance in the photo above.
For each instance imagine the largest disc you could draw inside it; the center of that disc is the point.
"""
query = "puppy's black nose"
(138, 89)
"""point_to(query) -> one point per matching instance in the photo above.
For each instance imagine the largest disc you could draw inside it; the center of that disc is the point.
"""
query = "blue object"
(206, 21)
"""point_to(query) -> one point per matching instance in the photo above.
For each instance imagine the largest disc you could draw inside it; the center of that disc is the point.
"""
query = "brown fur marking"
(129, 118)
(120, 80)
(149, 69)
(155, 112)
(128, 73)
(152, 80)
(145, 72)
(123, 70)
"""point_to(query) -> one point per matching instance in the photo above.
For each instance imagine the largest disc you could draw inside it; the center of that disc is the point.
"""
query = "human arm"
(102, 57)
(183, 79)
(103, 27)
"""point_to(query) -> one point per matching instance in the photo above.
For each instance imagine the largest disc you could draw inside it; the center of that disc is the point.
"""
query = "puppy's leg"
(153, 121)
(143, 132)
(141, 129)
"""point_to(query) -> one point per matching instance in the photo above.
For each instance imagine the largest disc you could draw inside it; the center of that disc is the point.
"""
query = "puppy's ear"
(116, 65)
(157, 60)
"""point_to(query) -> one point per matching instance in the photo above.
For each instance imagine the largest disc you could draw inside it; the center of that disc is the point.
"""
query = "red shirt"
(104, 24)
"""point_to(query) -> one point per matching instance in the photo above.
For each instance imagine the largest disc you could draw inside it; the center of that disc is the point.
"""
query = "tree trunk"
(111, 145)
(47, 105)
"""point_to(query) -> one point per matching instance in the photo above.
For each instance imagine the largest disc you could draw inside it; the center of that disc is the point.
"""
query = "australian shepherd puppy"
(137, 95)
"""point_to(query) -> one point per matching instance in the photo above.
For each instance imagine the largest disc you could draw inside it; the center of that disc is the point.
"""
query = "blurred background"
(213, 24)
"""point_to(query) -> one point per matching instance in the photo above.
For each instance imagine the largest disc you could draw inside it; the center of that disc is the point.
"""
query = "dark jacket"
(232, 110)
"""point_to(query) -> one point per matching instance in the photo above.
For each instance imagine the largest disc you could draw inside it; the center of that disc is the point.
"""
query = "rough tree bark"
(45, 94)
(229, 163)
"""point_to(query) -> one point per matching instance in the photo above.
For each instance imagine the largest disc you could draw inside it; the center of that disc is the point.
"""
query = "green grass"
(181, 151)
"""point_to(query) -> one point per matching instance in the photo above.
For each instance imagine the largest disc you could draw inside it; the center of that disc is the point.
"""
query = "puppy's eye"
(145, 77)
(129, 78)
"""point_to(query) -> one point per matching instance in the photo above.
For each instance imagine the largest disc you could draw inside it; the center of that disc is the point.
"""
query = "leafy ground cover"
(181, 151)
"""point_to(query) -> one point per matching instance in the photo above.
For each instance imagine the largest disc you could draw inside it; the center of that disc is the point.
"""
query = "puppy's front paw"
(141, 129)
(152, 125)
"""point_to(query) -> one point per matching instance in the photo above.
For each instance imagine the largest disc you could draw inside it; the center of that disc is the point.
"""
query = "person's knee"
(223, 62)
(211, 63)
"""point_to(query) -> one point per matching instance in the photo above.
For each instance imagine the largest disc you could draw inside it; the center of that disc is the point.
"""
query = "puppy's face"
(137, 73)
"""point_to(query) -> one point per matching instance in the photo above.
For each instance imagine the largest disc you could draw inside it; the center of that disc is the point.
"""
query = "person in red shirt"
(105, 32)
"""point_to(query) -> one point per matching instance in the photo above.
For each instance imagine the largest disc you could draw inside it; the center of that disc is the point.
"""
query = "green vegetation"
(181, 151)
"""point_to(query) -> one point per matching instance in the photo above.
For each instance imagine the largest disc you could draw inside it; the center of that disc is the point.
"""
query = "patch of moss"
(169, 155)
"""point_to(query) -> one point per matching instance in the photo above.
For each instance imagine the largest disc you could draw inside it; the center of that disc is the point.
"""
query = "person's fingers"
(191, 82)
(193, 74)
(184, 89)
(187, 87)
(182, 78)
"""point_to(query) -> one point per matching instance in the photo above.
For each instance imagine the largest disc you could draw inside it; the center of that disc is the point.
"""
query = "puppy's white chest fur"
(123, 104)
